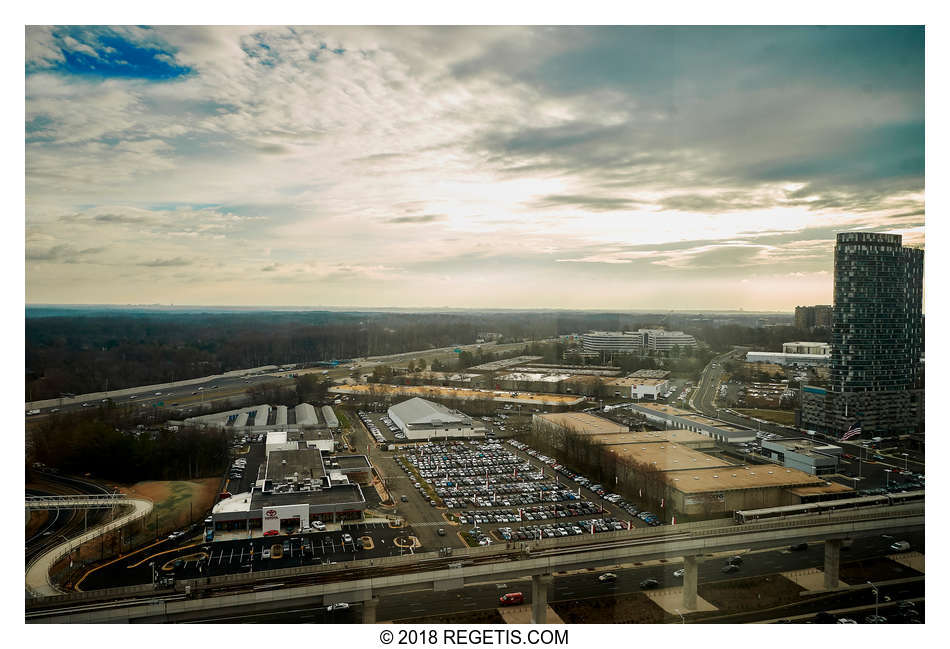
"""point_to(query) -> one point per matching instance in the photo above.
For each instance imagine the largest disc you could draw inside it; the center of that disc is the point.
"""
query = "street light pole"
(905, 460)
(874, 588)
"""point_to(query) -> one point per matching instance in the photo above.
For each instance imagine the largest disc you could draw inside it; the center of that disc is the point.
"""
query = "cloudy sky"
(621, 168)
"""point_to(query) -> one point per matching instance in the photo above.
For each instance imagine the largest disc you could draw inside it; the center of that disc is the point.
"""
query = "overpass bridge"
(77, 501)
(38, 582)
(366, 581)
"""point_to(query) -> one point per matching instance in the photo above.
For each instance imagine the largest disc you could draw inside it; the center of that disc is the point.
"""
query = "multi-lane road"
(186, 394)
(580, 585)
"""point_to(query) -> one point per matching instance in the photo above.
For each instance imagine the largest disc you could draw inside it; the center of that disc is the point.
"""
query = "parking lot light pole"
(905, 460)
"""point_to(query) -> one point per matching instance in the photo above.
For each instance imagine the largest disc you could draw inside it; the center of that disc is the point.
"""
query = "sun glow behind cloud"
(464, 166)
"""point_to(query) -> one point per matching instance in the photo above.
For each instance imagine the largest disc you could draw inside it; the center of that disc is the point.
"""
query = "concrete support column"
(832, 562)
(369, 610)
(539, 597)
(690, 582)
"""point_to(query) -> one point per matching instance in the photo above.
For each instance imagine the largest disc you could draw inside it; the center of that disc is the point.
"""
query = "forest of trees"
(77, 351)
(104, 445)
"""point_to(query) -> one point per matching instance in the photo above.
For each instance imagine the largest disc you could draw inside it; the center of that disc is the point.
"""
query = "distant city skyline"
(577, 168)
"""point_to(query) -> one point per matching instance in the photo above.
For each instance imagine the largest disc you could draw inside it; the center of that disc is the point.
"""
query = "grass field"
(177, 502)
(785, 417)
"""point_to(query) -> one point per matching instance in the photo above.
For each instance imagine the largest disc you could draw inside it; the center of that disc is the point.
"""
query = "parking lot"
(192, 560)
(242, 474)
(488, 484)
(381, 427)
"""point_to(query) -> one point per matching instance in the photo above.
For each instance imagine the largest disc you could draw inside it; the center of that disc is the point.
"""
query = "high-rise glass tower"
(877, 339)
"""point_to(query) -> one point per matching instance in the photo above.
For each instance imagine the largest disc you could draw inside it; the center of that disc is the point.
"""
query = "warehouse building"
(669, 417)
(719, 491)
(504, 363)
(666, 456)
(650, 374)
(380, 391)
(637, 388)
(420, 419)
(781, 358)
(576, 422)
(681, 437)
(806, 455)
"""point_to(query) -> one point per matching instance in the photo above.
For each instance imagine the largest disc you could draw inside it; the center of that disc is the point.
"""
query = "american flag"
(854, 431)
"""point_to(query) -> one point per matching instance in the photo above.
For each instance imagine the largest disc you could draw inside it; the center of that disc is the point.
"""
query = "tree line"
(106, 447)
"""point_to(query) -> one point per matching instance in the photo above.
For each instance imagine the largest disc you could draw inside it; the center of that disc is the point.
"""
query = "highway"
(186, 394)
(579, 585)
(354, 579)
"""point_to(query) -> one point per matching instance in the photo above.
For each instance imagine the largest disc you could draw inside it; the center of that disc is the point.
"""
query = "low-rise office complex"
(805, 455)
(636, 342)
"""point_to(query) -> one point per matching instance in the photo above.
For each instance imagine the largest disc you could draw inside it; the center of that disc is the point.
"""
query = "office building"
(636, 342)
(810, 317)
(876, 373)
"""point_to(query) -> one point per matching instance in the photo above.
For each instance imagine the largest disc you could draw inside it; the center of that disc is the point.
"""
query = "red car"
(511, 599)
(271, 533)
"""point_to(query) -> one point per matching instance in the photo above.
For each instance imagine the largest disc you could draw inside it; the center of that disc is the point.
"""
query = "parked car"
(680, 572)
(734, 561)
(900, 546)
(271, 533)
(649, 584)
(607, 578)
(339, 606)
(729, 568)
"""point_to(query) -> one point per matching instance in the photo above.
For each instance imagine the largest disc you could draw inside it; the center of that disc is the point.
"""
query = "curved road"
(37, 572)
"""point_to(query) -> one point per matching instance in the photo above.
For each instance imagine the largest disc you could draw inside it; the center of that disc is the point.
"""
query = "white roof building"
(421, 419)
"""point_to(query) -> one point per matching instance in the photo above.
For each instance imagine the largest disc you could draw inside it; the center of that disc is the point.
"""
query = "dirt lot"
(488, 616)
(635, 608)
(859, 572)
(750, 594)
(784, 417)
(176, 501)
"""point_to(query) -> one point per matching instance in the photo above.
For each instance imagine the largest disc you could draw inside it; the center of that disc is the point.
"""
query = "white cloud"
(359, 167)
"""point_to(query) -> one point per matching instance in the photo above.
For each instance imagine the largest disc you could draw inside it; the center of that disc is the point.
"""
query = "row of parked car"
(536, 513)
(394, 429)
(585, 482)
(371, 427)
(237, 468)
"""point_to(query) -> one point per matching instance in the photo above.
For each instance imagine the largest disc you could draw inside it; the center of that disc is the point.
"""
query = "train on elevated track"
(883, 500)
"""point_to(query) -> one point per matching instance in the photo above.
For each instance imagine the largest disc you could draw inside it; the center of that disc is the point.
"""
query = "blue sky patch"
(100, 52)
